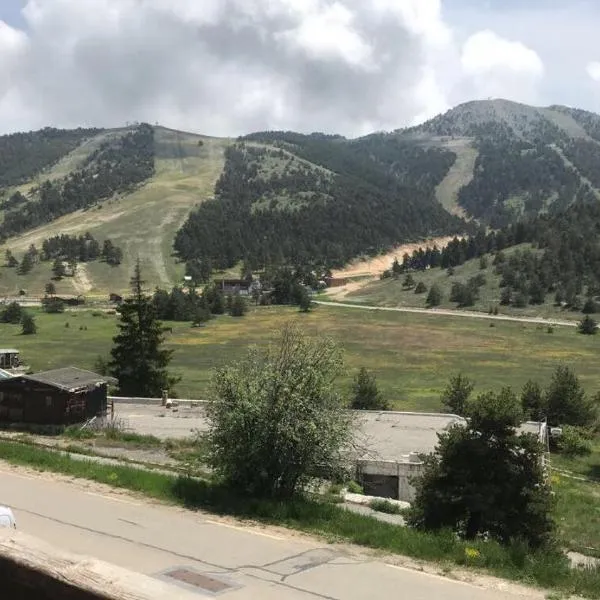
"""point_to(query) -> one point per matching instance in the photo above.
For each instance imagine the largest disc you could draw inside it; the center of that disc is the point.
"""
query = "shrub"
(355, 488)
(573, 443)
(385, 506)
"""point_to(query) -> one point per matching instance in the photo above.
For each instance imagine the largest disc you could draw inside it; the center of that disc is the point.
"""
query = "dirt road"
(451, 313)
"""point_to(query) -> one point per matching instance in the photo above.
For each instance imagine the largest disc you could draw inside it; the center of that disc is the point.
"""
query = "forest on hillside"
(25, 155)
(336, 200)
(565, 261)
(116, 167)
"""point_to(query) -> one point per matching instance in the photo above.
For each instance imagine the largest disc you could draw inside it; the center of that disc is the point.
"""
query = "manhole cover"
(205, 582)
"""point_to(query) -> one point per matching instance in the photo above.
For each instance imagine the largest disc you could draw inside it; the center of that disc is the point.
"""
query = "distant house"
(57, 397)
(336, 281)
(244, 287)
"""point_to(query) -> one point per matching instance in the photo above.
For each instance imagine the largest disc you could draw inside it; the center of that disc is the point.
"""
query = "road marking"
(246, 530)
(433, 575)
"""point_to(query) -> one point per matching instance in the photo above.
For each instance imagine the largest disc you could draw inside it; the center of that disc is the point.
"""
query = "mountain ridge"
(223, 200)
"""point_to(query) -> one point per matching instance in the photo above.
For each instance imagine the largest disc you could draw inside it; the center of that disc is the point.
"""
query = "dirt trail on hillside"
(377, 265)
(81, 279)
(372, 268)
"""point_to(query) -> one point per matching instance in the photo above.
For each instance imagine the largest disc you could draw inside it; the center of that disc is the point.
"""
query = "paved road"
(451, 313)
(258, 563)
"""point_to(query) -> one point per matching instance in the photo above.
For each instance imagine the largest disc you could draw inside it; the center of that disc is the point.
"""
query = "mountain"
(185, 201)
(516, 160)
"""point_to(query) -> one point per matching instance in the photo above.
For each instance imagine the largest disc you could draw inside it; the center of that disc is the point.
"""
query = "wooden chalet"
(58, 397)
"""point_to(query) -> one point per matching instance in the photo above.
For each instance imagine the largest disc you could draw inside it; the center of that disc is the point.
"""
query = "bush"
(276, 420)
(13, 313)
(53, 305)
(355, 488)
(385, 506)
(421, 288)
(573, 443)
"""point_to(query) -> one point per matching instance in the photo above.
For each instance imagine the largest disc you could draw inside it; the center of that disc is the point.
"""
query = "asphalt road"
(451, 313)
(254, 563)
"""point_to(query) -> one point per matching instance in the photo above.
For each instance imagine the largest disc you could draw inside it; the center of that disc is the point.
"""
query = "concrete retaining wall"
(389, 479)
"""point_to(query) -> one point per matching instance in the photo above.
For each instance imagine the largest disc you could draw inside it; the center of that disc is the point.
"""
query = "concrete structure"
(386, 446)
(33, 570)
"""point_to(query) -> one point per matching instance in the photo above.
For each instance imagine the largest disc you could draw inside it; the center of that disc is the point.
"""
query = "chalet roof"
(69, 378)
(8, 351)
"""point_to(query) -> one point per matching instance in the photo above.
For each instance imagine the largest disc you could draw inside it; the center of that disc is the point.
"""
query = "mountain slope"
(314, 198)
(529, 159)
(270, 197)
(142, 222)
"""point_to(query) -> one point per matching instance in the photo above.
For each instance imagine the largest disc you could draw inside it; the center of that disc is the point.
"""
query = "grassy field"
(143, 223)
(390, 292)
(412, 355)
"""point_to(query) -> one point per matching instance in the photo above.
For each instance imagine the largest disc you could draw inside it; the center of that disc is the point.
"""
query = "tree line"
(25, 155)
(116, 167)
(564, 259)
(67, 249)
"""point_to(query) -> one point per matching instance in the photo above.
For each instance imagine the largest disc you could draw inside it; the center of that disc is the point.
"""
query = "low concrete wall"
(33, 570)
(389, 479)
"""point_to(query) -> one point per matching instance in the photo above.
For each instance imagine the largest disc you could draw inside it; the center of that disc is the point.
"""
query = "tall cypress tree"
(138, 359)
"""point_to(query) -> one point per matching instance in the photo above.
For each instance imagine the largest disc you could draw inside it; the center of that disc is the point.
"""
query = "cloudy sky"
(225, 67)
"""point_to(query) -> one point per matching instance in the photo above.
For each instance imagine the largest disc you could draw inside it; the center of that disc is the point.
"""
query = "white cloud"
(227, 67)
(486, 51)
(593, 70)
(501, 68)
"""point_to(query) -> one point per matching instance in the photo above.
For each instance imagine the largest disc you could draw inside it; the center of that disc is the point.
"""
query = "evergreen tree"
(26, 264)
(50, 289)
(566, 402)
(457, 393)
(485, 478)
(238, 306)
(409, 282)
(28, 324)
(365, 394)
(138, 360)
(588, 326)
(11, 261)
(532, 401)
(58, 268)
(434, 298)
(421, 288)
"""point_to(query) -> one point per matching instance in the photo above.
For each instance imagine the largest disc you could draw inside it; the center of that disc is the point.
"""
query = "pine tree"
(365, 394)
(138, 360)
(28, 324)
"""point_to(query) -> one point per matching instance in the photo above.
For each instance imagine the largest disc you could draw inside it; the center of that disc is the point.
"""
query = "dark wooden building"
(58, 397)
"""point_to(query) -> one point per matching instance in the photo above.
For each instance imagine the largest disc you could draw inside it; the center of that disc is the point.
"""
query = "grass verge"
(545, 569)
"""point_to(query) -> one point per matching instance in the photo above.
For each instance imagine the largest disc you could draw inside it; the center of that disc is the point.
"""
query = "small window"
(48, 401)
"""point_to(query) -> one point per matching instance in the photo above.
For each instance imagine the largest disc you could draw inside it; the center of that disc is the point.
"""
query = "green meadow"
(412, 355)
